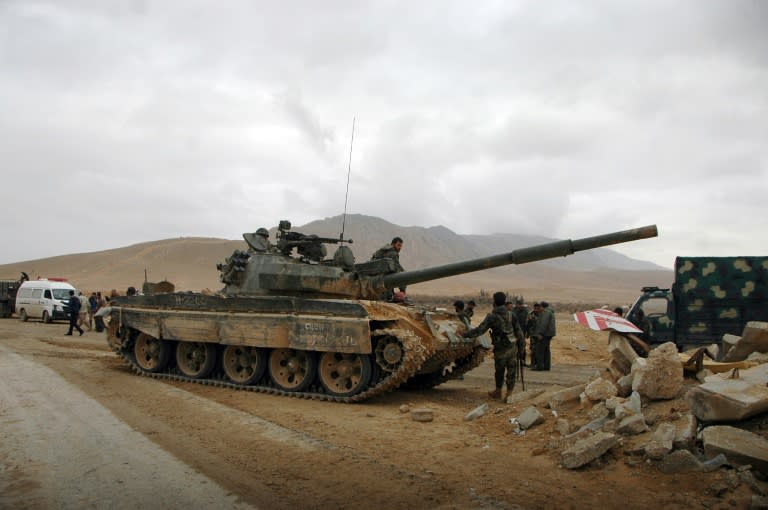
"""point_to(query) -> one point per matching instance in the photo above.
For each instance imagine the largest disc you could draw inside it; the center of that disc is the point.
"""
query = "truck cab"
(658, 306)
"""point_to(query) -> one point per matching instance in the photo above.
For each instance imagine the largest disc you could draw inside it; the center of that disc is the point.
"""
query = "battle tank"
(291, 322)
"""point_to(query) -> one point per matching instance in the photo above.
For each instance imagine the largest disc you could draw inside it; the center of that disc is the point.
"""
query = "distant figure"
(82, 318)
(131, 291)
(259, 240)
(522, 313)
(541, 335)
(619, 311)
(505, 348)
(93, 306)
(642, 322)
(391, 251)
(461, 312)
(470, 309)
(74, 313)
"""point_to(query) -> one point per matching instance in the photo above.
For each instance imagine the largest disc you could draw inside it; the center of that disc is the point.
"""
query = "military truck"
(711, 296)
(8, 290)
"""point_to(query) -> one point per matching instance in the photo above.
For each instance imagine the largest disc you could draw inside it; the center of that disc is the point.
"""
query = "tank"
(290, 321)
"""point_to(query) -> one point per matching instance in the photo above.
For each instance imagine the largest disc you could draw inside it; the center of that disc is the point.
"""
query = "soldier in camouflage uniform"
(461, 312)
(502, 324)
(470, 310)
(391, 251)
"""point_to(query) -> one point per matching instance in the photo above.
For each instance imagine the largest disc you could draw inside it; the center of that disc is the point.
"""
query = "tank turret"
(273, 270)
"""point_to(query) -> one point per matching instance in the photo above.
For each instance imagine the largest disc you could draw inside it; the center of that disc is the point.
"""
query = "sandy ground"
(78, 430)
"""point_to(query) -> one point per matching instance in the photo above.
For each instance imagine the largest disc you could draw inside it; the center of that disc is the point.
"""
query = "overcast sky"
(132, 121)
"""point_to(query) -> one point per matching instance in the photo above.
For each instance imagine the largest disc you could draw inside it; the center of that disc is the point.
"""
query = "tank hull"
(352, 350)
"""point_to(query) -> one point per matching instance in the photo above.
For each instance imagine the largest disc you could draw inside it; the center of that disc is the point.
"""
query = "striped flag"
(600, 320)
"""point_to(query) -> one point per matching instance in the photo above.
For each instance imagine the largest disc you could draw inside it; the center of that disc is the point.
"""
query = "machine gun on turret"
(309, 247)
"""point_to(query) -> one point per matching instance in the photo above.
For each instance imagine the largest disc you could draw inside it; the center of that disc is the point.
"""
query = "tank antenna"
(349, 170)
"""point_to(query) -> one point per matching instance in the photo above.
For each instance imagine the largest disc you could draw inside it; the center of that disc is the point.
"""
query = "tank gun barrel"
(520, 256)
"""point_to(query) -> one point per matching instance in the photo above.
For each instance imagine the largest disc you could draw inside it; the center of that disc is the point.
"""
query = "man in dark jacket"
(541, 335)
(74, 313)
(502, 324)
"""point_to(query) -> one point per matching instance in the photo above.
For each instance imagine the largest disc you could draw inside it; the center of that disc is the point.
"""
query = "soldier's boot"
(495, 393)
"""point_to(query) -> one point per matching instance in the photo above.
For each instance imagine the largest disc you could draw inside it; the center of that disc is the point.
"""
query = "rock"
(422, 414)
(758, 357)
(758, 502)
(563, 426)
(680, 461)
(405, 408)
(728, 342)
(600, 389)
(661, 441)
(612, 402)
(530, 417)
(753, 338)
(721, 399)
(622, 354)
(598, 411)
(702, 374)
(632, 405)
(714, 463)
(685, 432)
(624, 385)
(477, 412)
(561, 397)
(632, 425)
(587, 450)
(515, 398)
(661, 377)
(739, 446)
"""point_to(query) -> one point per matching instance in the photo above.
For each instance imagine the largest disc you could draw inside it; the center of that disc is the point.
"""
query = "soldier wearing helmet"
(259, 240)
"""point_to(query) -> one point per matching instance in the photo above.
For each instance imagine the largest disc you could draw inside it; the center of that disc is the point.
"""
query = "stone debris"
(600, 389)
(661, 376)
(722, 398)
(586, 450)
(753, 338)
(477, 412)
(661, 441)
(562, 426)
(405, 408)
(598, 411)
(702, 374)
(624, 385)
(530, 417)
(739, 446)
(515, 398)
(632, 425)
(680, 461)
(728, 342)
(422, 414)
(630, 406)
(685, 432)
(561, 397)
(622, 355)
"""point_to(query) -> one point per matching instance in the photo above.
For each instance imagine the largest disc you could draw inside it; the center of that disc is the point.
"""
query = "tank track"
(463, 365)
(415, 355)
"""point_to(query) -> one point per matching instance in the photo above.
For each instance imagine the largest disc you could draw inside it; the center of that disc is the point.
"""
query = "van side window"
(47, 294)
(25, 293)
(36, 293)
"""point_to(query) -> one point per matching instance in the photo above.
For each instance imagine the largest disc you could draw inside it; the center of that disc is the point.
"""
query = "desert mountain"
(190, 263)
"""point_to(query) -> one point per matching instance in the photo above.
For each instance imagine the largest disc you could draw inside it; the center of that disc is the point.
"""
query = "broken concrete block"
(598, 411)
(728, 342)
(561, 397)
(723, 399)
(477, 412)
(632, 405)
(685, 432)
(405, 408)
(612, 402)
(563, 426)
(680, 461)
(758, 357)
(662, 375)
(702, 374)
(661, 441)
(632, 425)
(754, 338)
(514, 398)
(422, 415)
(621, 353)
(739, 446)
(587, 450)
(600, 389)
(530, 417)
(624, 385)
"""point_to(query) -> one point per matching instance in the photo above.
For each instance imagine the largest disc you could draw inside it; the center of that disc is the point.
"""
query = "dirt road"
(78, 430)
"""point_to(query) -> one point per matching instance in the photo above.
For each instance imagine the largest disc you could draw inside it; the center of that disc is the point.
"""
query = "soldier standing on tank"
(541, 335)
(461, 312)
(391, 251)
(470, 309)
(505, 349)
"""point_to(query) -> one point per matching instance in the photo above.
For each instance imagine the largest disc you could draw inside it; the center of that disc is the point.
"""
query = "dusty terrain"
(78, 430)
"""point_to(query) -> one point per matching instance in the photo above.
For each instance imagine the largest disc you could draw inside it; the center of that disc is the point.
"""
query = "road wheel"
(46, 317)
(23, 315)
(152, 354)
(244, 364)
(196, 359)
(344, 374)
(292, 370)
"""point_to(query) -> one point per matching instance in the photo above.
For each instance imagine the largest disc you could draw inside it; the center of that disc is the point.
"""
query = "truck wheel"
(46, 317)
(23, 315)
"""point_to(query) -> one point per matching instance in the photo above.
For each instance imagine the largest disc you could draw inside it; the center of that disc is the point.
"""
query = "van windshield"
(61, 294)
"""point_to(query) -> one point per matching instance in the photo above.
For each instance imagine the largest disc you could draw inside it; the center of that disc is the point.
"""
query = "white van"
(44, 299)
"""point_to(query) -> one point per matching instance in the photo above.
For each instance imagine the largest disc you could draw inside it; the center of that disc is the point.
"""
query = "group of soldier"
(510, 324)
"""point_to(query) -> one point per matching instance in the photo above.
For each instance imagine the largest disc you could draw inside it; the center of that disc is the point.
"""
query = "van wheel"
(46, 317)
(23, 315)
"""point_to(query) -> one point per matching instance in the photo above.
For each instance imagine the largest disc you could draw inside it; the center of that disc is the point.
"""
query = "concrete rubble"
(600, 389)
(661, 376)
(514, 398)
(559, 398)
(723, 398)
(622, 355)
(586, 450)
(530, 417)
(661, 442)
(477, 412)
(739, 446)
(423, 414)
(754, 338)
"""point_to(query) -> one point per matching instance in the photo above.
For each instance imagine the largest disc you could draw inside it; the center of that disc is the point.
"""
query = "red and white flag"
(600, 320)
